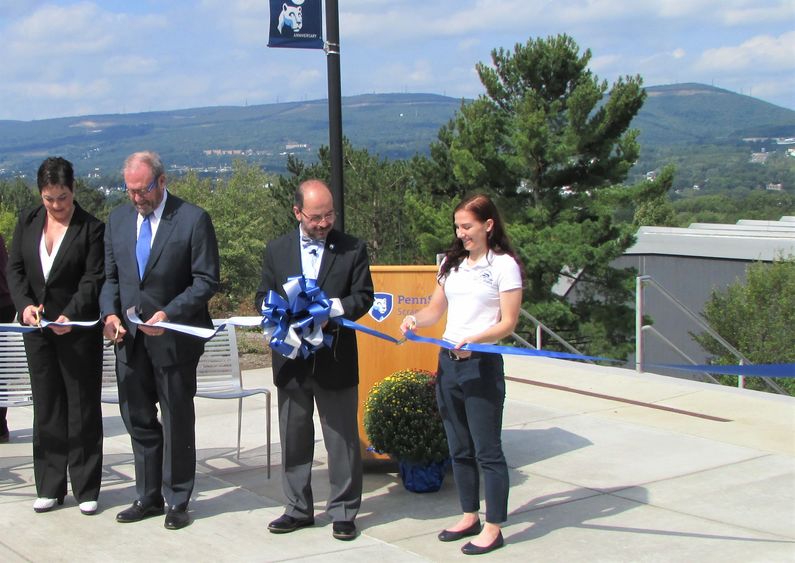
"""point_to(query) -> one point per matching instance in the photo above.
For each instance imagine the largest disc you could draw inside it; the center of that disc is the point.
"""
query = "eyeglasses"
(142, 191)
(319, 218)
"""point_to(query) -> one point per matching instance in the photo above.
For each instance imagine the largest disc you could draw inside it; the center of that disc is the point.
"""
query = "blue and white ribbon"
(16, 327)
(295, 325)
(472, 347)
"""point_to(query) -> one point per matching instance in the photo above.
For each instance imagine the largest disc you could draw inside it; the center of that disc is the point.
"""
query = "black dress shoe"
(177, 517)
(285, 523)
(344, 530)
(447, 535)
(138, 511)
(472, 549)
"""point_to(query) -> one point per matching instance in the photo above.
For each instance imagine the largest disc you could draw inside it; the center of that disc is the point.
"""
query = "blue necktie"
(143, 245)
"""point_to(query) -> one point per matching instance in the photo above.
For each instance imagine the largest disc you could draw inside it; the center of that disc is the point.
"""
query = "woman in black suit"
(55, 272)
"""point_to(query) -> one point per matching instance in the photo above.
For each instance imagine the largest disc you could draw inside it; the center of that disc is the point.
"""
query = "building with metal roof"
(691, 263)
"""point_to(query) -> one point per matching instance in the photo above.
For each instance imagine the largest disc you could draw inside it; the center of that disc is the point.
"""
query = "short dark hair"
(56, 171)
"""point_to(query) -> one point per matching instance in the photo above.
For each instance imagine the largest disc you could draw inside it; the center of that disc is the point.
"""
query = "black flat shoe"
(344, 530)
(285, 524)
(472, 549)
(177, 517)
(138, 511)
(447, 535)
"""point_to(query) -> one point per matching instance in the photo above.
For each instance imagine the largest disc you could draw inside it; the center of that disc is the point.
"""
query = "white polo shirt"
(473, 294)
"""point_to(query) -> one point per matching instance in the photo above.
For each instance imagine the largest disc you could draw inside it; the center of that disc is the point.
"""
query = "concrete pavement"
(606, 465)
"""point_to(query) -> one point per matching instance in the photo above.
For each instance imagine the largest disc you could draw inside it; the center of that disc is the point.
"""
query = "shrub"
(401, 418)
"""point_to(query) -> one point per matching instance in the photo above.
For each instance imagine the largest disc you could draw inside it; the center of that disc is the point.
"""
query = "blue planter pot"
(422, 478)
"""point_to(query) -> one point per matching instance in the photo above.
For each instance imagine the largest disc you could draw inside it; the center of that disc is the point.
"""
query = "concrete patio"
(606, 465)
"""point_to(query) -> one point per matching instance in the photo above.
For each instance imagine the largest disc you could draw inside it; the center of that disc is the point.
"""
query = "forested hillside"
(708, 133)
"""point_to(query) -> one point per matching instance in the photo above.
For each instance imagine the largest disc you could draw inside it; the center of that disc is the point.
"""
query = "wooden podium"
(399, 291)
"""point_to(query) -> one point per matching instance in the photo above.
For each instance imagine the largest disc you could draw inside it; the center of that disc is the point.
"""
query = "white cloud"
(163, 55)
(780, 88)
(604, 63)
(757, 13)
(760, 52)
(15, 8)
(62, 90)
(130, 65)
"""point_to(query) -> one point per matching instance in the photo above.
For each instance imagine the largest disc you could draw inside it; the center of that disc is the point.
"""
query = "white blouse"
(48, 259)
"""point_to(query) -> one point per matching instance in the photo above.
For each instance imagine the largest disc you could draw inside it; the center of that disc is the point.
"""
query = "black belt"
(456, 358)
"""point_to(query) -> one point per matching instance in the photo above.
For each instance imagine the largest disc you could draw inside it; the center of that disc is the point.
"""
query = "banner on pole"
(296, 23)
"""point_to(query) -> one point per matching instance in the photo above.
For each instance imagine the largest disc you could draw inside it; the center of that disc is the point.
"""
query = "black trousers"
(471, 394)
(66, 381)
(164, 452)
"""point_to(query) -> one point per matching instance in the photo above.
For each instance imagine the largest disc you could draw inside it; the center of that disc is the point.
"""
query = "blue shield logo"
(382, 306)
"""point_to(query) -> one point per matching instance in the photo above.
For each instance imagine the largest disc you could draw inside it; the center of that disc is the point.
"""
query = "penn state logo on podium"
(382, 306)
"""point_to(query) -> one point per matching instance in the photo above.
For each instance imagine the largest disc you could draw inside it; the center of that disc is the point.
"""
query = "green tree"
(90, 199)
(656, 209)
(553, 145)
(16, 195)
(8, 221)
(758, 318)
(730, 207)
(381, 202)
(243, 214)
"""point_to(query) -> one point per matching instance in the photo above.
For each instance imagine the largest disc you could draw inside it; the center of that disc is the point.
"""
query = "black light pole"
(335, 109)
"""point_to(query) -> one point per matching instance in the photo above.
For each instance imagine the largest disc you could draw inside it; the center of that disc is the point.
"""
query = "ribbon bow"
(306, 241)
(295, 325)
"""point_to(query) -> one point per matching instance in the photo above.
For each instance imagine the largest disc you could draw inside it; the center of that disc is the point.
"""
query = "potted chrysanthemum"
(401, 419)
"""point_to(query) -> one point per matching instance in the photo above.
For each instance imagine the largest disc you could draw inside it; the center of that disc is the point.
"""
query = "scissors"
(110, 343)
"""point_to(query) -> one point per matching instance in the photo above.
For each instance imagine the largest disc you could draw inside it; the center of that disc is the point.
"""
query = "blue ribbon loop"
(487, 348)
(747, 370)
(295, 325)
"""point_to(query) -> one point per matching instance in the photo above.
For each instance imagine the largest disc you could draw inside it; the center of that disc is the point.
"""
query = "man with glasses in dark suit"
(338, 264)
(161, 257)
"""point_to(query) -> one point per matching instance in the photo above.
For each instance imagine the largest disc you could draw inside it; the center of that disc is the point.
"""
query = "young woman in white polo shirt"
(480, 287)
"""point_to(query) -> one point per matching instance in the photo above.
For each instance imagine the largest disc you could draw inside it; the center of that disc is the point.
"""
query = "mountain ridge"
(393, 125)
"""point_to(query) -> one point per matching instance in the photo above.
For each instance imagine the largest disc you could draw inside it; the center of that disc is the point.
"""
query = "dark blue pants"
(471, 394)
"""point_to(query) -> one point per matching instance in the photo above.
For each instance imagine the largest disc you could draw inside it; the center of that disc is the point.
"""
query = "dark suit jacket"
(77, 273)
(180, 277)
(344, 273)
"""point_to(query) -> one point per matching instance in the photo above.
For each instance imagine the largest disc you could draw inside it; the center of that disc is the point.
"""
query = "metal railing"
(541, 328)
(640, 328)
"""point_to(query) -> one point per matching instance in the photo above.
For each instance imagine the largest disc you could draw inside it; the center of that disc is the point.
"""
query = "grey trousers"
(339, 423)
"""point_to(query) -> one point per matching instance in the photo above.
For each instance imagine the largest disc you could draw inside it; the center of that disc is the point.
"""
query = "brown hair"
(482, 207)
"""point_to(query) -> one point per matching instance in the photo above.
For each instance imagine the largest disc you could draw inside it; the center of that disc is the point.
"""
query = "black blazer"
(77, 272)
(345, 274)
(181, 276)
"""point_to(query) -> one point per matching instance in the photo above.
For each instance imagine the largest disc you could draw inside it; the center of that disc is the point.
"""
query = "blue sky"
(65, 58)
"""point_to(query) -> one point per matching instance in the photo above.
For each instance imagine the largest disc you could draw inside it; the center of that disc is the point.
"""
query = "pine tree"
(553, 145)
